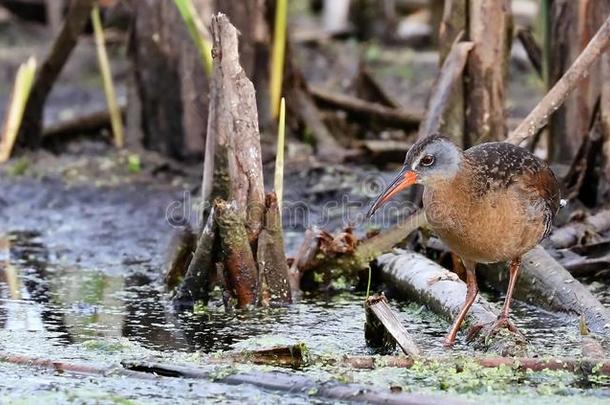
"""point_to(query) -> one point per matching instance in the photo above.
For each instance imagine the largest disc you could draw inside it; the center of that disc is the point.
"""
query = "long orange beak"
(405, 178)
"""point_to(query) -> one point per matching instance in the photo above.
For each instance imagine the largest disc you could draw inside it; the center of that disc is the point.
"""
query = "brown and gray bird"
(491, 203)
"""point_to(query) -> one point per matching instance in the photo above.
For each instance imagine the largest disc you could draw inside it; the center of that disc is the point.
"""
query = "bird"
(490, 203)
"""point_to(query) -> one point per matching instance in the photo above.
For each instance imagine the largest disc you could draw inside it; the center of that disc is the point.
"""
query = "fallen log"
(362, 110)
(546, 283)
(381, 323)
(276, 381)
(578, 232)
(91, 122)
(320, 251)
(424, 281)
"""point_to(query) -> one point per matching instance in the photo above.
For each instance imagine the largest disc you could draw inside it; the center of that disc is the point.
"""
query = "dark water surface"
(87, 261)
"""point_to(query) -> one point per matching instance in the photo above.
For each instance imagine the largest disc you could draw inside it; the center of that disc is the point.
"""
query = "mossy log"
(424, 281)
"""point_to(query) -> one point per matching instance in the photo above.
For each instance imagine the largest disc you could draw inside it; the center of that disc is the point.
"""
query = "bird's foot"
(502, 323)
(445, 275)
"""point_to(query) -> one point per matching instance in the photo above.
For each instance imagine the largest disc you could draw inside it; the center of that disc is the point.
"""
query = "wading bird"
(490, 203)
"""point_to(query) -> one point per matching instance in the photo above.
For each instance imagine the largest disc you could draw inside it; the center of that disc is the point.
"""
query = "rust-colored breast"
(501, 204)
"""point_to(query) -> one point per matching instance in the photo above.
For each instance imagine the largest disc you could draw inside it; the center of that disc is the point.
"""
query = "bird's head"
(431, 160)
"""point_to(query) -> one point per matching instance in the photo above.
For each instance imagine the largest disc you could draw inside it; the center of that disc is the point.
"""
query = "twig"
(539, 116)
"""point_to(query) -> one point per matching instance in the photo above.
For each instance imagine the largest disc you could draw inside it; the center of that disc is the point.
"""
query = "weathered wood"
(534, 53)
(539, 116)
(170, 80)
(195, 287)
(237, 121)
(181, 248)
(571, 25)
(452, 26)
(489, 26)
(362, 110)
(78, 13)
(377, 308)
(575, 232)
(272, 266)
(545, 282)
(241, 276)
(444, 113)
(424, 281)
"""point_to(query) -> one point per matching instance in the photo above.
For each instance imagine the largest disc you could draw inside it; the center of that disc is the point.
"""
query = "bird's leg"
(503, 321)
(471, 295)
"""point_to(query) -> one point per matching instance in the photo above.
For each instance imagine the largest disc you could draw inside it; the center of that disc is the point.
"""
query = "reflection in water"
(78, 305)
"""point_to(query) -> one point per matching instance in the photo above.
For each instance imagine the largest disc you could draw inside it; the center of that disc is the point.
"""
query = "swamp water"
(86, 261)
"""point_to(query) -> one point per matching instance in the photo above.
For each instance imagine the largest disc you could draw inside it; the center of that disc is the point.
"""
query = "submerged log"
(382, 323)
(272, 266)
(424, 281)
(545, 282)
(241, 276)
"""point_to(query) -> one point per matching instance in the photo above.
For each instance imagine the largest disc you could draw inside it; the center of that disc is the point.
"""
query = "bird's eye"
(427, 160)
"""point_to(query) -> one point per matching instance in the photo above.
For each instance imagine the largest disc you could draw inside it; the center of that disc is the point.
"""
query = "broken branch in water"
(381, 323)
(539, 116)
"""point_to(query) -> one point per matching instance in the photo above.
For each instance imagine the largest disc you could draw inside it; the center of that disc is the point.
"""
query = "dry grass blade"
(278, 182)
(277, 56)
(198, 32)
(21, 91)
(116, 120)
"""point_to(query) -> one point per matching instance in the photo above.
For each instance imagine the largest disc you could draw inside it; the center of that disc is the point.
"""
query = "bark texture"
(31, 127)
(489, 26)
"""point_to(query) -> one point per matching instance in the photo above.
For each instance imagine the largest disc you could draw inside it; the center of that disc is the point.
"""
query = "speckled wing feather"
(498, 165)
